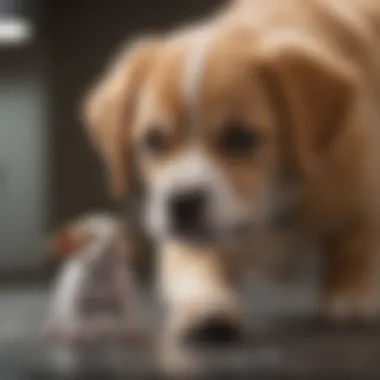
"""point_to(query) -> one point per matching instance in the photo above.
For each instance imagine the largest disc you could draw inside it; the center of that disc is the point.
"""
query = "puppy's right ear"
(109, 111)
(314, 94)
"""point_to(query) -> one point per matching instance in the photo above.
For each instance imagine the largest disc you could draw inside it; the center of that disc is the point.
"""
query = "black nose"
(187, 209)
(215, 331)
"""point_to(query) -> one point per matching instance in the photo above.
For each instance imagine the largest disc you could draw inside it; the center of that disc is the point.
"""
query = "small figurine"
(94, 293)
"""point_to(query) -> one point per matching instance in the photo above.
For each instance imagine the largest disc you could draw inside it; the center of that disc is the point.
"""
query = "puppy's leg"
(196, 285)
(195, 282)
(349, 271)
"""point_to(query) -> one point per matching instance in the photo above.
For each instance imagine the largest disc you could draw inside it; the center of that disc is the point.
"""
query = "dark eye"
(156, 141)
(238, 140)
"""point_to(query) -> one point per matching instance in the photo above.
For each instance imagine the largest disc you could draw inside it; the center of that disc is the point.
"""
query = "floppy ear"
(109, 111)
(313, 94)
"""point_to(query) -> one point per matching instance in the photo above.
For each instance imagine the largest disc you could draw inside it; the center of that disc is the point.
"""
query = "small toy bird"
(94, 295)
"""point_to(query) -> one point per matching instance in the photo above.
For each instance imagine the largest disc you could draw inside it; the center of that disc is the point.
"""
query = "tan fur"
(110, 107)
(303, 73)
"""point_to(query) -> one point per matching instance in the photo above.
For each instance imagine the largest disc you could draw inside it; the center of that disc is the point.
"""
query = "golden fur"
(306, 75)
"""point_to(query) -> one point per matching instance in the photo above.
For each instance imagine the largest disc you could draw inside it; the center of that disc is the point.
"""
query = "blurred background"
(50, 52)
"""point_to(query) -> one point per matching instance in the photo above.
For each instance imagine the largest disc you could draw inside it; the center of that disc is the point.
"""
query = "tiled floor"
(292, 349)
(24, 308)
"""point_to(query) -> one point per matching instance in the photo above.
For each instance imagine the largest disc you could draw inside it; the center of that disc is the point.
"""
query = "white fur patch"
(192, 74)
(193, 169)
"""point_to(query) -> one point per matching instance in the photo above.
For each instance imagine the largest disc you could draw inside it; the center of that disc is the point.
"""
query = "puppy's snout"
(214, 331)
(187, 209)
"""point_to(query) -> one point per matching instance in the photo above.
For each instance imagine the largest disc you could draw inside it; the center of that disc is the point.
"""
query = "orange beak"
(63, 244)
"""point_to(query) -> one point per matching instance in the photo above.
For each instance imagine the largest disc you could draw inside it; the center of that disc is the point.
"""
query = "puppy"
(93, 296)
(265, 107)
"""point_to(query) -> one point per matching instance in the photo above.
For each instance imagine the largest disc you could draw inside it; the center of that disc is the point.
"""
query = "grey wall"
(23, 160)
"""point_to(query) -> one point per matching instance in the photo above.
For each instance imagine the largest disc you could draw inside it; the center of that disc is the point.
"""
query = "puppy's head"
(220, 123)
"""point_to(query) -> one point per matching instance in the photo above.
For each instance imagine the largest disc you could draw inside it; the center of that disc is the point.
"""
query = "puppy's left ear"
(110, 107)
(313, 94)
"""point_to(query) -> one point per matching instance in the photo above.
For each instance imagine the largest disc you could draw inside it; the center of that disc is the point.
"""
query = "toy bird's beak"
(66, 242)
